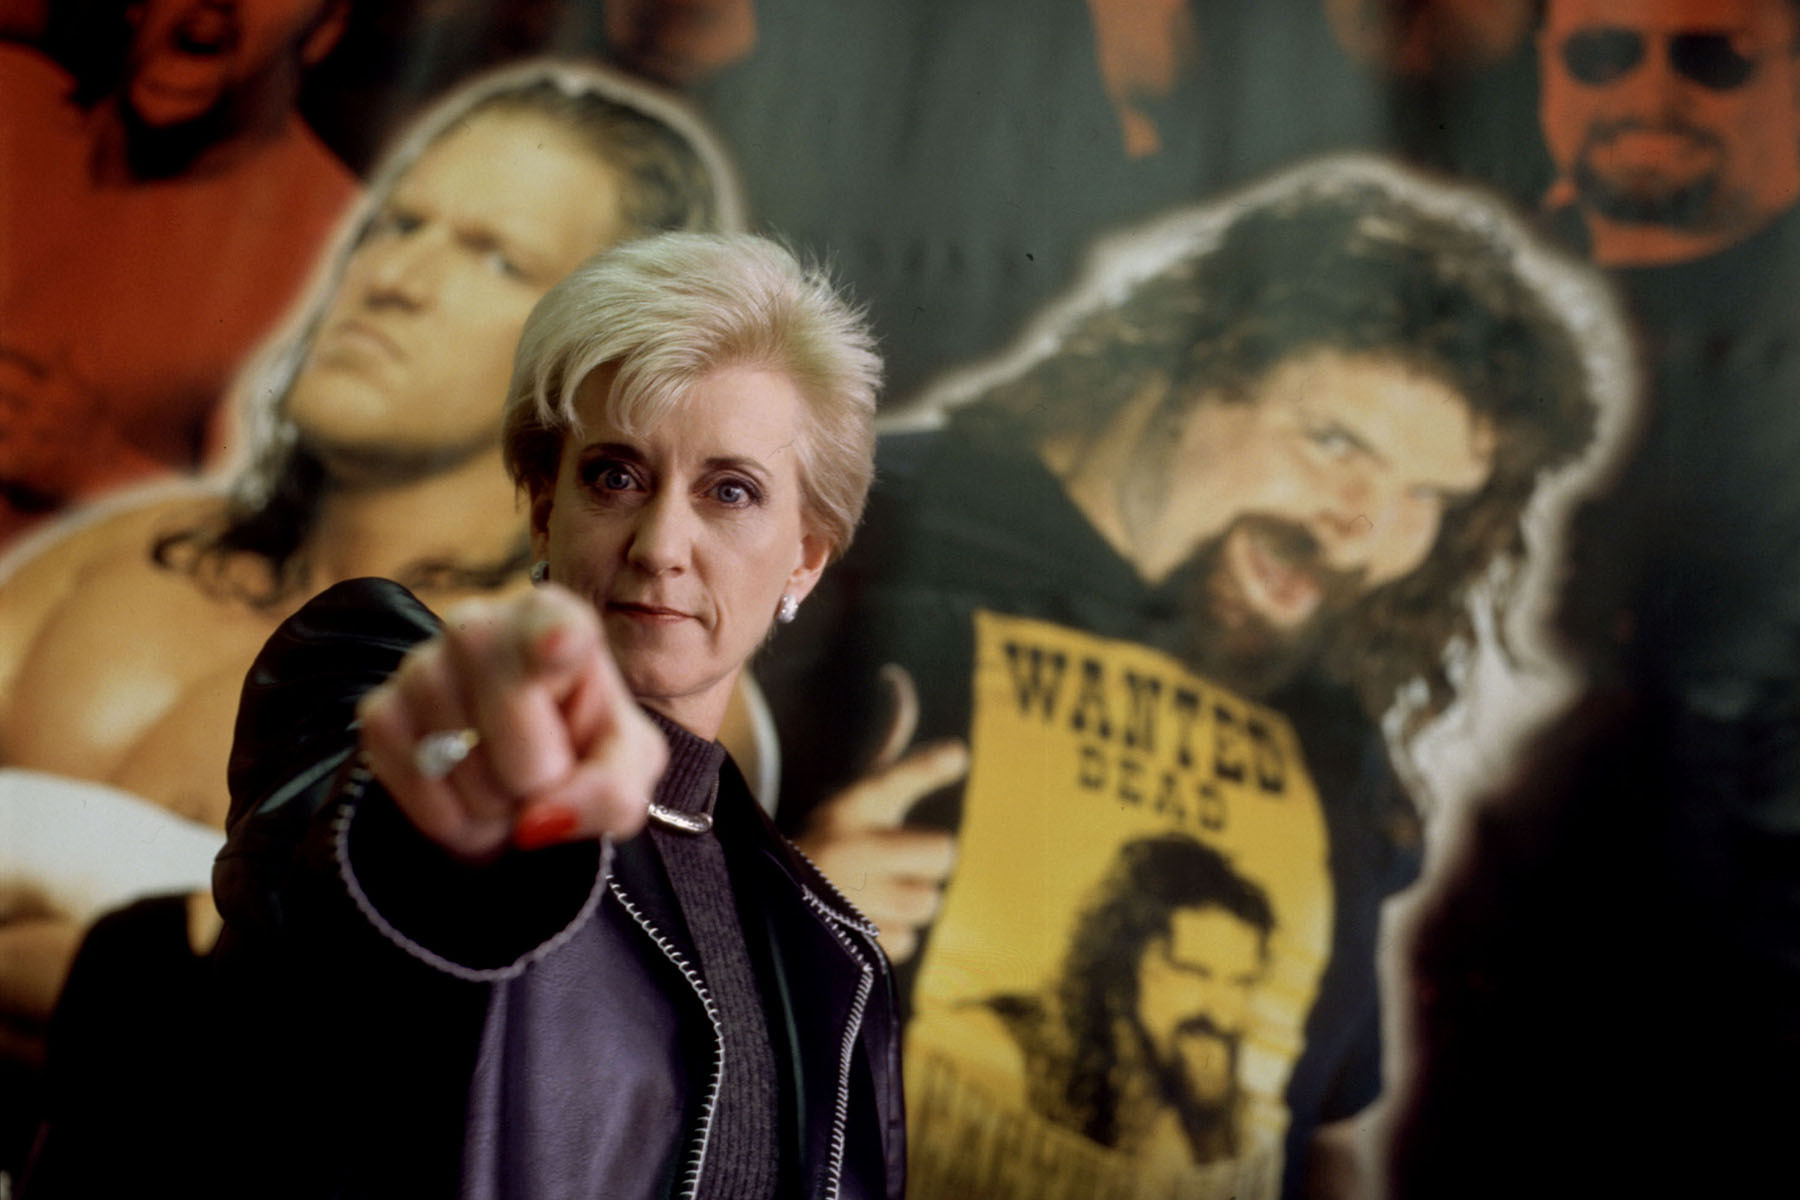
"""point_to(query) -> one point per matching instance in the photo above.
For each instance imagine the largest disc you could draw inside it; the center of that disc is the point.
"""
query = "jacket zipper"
(847, 916)
(847, 1049)
(840, 1113)
(850, 919)
(691, 1183)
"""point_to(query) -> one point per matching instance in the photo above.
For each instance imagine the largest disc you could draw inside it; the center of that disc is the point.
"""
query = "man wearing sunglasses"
(1675, 127)
(1674, 124)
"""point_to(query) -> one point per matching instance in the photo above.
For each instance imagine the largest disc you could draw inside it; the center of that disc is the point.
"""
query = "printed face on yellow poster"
(1142, 895)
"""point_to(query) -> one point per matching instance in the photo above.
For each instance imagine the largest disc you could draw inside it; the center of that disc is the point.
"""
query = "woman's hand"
(564, 751)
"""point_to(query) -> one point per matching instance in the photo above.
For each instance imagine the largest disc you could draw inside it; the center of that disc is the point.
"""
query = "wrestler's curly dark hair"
(670, 184)
(1360, 269)
(1149, 881)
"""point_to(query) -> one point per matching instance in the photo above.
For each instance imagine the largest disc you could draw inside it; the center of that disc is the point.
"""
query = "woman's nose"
(663, 537)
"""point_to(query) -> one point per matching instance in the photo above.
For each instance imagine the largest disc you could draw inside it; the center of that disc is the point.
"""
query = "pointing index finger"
(517, 670)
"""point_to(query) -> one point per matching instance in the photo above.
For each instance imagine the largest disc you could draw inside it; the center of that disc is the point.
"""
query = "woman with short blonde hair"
(502, 912)
(666, 311)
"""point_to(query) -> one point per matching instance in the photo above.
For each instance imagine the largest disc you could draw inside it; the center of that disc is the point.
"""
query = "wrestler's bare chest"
(134, 681)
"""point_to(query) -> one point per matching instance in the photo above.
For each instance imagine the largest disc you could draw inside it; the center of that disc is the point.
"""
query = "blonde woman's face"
(684, 537)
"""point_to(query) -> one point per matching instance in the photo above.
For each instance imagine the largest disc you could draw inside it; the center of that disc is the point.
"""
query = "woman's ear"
(815, 552)
(542, 494)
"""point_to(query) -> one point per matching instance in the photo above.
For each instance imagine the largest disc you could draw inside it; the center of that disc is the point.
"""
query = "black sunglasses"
(1600, 56)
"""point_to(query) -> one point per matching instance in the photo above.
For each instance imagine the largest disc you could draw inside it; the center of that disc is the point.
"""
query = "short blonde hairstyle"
(666, 311)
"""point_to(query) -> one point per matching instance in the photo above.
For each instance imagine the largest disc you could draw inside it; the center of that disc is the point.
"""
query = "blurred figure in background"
(1674, 124)
(149, 240)
(1163, 571)
(1626, 917)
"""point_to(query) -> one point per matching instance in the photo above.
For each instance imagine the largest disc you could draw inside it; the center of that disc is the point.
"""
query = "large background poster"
(1575, 723)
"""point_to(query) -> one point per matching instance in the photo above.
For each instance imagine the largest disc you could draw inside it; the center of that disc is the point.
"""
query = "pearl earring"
(540, 570)
(787, 609)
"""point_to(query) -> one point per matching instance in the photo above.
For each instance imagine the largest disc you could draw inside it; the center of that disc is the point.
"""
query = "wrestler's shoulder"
(36, 87)
(103, 536)
(110, 554)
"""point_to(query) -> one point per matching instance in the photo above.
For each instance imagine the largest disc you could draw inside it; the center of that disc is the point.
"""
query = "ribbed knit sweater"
(742, 1157)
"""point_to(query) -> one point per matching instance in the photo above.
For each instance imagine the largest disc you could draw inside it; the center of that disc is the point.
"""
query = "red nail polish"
(544, 825)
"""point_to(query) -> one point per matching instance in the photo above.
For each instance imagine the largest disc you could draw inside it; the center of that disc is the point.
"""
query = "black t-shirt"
(1695, 540)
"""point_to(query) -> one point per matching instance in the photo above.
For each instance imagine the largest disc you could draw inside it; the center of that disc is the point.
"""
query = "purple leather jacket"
(350, 1058)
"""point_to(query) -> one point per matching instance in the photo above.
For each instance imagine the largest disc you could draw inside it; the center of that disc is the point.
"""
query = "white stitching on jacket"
(355, 783)
(691, 1184)
(851, 915)
(841, 1109)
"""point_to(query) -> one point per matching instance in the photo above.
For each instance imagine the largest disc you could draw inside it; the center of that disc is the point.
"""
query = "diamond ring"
(437, 754)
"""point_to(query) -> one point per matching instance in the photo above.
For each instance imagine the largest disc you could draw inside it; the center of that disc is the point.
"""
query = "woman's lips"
(654, 613)
(1282, 593)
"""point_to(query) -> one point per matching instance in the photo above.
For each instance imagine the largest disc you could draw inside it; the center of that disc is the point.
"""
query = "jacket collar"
(748, 823)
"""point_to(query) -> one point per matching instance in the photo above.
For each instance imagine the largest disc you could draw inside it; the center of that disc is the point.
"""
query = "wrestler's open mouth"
(1276, 587)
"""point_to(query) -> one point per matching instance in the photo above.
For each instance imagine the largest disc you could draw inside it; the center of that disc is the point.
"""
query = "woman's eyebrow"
(734, 462)
(624, 450)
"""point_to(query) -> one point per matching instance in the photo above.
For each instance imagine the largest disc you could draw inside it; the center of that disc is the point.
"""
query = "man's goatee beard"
(1210, 1126)
(1696, 207)
(165, 151)
(1251, 657)
(1690, 207)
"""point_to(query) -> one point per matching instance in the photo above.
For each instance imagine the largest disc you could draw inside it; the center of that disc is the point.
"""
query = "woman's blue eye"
(736, 492)
(608, 476)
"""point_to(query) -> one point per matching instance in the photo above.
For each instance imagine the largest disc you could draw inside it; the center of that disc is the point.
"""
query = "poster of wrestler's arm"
(1266, 503)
